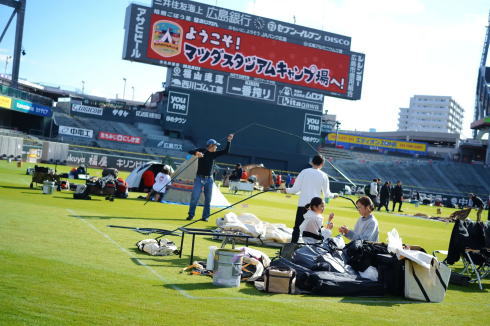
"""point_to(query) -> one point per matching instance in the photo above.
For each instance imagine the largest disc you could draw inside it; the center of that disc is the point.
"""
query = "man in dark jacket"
(236, 174)
(384, 196)
(204, 176)
(478, 204)
(398, 196)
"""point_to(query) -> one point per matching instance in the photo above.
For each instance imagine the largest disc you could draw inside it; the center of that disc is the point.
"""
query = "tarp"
(180, 190)
(250, 224)
(264, 175)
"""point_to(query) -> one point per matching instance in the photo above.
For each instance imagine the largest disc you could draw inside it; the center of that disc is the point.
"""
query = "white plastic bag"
(395, 246)
(394, 242)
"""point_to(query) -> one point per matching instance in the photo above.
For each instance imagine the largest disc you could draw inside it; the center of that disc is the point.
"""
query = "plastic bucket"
(48, 187)
(227, 267)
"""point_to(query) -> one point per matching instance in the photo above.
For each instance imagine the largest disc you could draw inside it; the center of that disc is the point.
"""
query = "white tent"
(179, 192)
(134, 179)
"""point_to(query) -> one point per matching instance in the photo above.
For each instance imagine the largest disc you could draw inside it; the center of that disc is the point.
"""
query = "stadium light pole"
(337, 125)
(132, 88)
(124, 89)
(83, 86)
(7, 58)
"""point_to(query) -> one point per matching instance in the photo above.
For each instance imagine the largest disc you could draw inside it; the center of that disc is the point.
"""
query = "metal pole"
(7, 26)
(19, 30)
(83, 86)
(132, 87)
(124, 89)
(337, 124)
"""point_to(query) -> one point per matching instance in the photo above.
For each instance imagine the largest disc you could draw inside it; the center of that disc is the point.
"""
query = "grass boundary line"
(105, 235)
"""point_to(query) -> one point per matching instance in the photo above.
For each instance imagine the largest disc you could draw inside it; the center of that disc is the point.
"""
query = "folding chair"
(470, 242)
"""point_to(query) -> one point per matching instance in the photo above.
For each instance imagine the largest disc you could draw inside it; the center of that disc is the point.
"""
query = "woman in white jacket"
(312, 229)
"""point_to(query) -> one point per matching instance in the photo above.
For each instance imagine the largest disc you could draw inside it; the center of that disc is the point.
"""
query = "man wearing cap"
(204, 176)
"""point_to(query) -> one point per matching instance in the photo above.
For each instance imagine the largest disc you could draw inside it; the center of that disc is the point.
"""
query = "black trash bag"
(362, 254)
(357, 256)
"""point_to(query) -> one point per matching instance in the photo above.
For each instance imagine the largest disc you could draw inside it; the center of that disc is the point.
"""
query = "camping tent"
(179, 192)
(264, 175)
(135, 181)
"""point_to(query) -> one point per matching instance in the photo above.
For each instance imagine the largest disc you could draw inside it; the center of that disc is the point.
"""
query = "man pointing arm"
(204, 176)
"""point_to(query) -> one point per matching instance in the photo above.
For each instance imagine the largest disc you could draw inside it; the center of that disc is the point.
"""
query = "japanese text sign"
(214, 48)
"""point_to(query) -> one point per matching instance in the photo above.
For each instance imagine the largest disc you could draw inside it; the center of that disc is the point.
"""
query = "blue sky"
(411, 46)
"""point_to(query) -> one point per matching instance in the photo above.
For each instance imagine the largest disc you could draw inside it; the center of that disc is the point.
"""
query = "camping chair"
(470, 242)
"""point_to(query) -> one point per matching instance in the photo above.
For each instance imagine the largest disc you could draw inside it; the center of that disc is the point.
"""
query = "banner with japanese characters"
(185, 34)
(74, 131)
(251, 24)
(97, 160)
(119, 138)
(257, 89)
(375, 143)
(214, 48)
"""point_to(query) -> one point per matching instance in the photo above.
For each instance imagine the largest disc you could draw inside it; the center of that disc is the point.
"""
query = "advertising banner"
(74, 131)
(376, 143)
(185, 42)
(31, 108)
(104, 161)
(182, 38)
(119, 138)
(22, 106)
(87, 109)
(122, 115)
(257, 89)
(251, 24)
(41, 110)
(143, 115)
(5, 102)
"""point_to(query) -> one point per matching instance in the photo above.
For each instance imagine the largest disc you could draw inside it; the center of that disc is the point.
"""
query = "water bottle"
(210, 261)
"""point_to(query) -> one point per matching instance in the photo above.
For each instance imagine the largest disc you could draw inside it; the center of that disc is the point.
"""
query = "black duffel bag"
(344, 284)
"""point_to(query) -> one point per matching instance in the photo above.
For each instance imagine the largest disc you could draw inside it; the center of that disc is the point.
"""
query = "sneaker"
(189, 218)
(400, 211)
(204, 219)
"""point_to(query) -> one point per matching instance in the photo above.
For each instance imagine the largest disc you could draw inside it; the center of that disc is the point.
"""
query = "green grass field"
(60, 264)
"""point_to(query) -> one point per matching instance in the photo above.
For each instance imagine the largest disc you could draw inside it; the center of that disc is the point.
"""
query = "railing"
(17, 93)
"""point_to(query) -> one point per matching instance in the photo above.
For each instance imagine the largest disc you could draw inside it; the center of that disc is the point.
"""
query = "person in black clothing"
(384, 197)
(477, 203)
(204, 180)
(398, 196)
(236, 174)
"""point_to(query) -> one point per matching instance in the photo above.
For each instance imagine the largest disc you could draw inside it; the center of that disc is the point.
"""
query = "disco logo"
(166, 39)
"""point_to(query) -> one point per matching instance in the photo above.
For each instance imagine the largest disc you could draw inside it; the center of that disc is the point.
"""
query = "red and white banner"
(120, 138)
(195, 44)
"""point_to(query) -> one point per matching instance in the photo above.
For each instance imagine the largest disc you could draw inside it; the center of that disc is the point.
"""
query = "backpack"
(279, 280)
